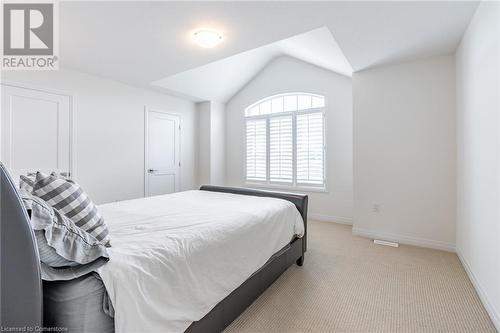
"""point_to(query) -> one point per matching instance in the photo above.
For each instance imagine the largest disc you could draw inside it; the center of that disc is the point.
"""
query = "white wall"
(289, 75)
(478, 91)
(217, 143)
(404, 152)
(212, 144)
(110, 131)
(203, 158)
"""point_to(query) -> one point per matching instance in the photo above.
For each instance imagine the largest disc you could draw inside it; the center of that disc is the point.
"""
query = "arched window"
(285, 140)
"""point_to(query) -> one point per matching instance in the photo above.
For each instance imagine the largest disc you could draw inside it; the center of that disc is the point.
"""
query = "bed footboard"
(233, 305)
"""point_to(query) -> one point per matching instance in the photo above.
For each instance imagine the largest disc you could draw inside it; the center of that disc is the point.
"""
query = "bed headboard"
(299, 200)
(21, 283)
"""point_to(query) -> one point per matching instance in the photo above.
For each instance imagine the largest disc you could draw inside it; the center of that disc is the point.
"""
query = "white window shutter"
(256, 150)
(281, 149)
(310, 149)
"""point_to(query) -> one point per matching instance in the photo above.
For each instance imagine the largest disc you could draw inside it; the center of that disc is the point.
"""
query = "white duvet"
(174, 257)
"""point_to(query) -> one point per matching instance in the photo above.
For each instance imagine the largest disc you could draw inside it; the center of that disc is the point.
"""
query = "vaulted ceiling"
(221, 79)
(148, 44)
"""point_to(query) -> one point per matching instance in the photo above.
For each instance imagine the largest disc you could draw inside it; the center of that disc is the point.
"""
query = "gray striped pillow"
(26, 183)
(70, 199)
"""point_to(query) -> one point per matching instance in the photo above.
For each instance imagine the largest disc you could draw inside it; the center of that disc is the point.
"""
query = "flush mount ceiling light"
(207, 38)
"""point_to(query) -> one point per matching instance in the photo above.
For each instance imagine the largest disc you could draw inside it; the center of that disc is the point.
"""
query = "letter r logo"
(28, 29)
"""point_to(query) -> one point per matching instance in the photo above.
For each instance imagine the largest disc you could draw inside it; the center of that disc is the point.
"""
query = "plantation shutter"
(310, 149)
(256, 149)
(281, 149)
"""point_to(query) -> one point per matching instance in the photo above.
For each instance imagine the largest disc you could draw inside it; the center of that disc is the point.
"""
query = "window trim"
(294, 185)
(269, 98)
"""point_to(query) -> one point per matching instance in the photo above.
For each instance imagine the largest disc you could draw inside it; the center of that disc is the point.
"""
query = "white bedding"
(174, 257)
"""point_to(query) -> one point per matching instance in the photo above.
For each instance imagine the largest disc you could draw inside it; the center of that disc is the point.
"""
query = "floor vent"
(386, 243)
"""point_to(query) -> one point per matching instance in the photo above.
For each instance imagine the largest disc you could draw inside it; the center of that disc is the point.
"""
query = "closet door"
(36, 131)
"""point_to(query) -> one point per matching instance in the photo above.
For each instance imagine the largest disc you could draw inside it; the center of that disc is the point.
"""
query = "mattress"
(174, 257)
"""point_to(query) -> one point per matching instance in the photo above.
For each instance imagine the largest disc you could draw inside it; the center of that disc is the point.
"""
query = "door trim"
(146, 144)
(72, 117)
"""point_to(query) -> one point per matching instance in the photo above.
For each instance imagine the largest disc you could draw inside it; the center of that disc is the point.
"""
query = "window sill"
(287, 188)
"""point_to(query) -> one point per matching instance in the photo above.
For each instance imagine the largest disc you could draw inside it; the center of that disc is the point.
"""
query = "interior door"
(35, 131)
(162, 153)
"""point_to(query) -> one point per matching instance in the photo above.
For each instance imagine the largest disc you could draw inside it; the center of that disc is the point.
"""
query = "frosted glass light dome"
(207, 38)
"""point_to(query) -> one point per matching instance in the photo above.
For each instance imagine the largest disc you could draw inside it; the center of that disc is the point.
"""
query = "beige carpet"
(348, 284)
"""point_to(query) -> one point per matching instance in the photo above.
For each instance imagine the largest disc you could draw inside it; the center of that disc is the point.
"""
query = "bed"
(32, 303)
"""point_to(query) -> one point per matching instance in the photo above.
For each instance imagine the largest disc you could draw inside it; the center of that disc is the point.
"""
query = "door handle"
(152, 170)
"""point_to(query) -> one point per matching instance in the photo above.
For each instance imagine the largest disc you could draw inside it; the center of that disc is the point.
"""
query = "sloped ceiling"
(221, 79)
(142, 43)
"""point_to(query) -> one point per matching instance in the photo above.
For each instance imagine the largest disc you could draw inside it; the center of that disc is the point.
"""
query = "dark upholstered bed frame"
(21, 284)
(233, 305)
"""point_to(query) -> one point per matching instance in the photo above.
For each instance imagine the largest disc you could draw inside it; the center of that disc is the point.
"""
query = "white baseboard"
(402, 239)
(328, 218)
(492, 312)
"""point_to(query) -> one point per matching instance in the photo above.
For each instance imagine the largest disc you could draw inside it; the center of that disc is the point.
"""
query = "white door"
(36, 129)
(162, 174)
